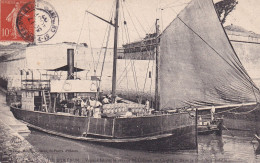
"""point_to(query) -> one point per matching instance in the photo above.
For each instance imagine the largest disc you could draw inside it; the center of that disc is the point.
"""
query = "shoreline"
(13, 146)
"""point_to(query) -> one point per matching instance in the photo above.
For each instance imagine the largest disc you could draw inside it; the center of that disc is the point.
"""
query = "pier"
(13, 146)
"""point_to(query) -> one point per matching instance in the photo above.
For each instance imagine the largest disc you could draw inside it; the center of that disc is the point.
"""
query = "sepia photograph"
(129, 81)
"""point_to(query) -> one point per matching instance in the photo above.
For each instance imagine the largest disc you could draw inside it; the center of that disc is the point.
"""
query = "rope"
(133, 23)
(133, 69)
(119, 79)
(105, 54)
(81, 30)
(236, 113)
(124, 30)
(76, 48)
(91, 49)
(134, 74)
(152, 78)
(236, 68)
(171, 3)
(136, 85)
(137, 21)
(224, 111)
(147, 71)
(83, 24)
(162, 17)
(101, 73)
(107, 31)
(247, 112)
(131, 61)
(166, 7)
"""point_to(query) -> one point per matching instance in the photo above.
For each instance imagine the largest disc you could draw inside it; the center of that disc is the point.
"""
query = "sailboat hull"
(158, 132)
(245, 118)
(241, 118)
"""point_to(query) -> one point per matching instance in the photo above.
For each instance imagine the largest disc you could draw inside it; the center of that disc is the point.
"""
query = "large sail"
(198, 65)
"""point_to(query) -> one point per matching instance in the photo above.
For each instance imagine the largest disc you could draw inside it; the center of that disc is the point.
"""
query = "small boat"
(208, 126)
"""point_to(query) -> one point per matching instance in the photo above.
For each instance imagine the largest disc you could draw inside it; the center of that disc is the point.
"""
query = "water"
(211, 148)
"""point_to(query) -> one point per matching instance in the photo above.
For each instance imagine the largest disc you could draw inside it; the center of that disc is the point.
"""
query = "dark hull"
(204, 130)
(214, 126)
(164, 132)
(243, 118)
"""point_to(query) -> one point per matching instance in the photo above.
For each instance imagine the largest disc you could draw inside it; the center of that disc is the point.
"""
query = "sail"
(198, 65)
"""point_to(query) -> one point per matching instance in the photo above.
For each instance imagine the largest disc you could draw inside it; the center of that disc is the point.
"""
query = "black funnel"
(70, 62)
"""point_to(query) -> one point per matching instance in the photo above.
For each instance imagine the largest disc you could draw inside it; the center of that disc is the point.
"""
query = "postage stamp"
(8, 15)
(27, 20)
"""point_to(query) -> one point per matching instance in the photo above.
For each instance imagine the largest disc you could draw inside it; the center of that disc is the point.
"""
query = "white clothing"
(94, 103)
(96, 113)
(105, 101)
(128, 114)
(83, 104)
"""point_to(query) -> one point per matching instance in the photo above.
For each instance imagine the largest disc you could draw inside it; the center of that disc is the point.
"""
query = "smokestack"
(70, 62)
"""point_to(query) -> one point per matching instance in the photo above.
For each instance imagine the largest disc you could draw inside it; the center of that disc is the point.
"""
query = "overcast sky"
(246, 15)
(76, 26)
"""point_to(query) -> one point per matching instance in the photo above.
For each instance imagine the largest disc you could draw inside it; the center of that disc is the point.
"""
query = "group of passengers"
(92, 107)
(88, 107)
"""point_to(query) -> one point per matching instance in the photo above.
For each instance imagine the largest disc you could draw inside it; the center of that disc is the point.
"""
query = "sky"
(75, 25)
(246, 15)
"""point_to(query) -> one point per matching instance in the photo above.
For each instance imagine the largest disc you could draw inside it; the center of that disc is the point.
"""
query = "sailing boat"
(195, 67)
(199, 64)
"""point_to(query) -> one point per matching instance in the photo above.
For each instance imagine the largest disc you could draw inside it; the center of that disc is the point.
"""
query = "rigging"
(236, 68)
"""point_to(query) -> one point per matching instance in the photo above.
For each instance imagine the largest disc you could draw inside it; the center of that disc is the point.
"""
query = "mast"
(115, 53)
(157, 96)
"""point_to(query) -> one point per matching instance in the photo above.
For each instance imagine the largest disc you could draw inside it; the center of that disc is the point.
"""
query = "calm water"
(211, 149)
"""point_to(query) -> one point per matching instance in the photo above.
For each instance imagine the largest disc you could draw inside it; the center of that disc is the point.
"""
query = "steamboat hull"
(158, 132)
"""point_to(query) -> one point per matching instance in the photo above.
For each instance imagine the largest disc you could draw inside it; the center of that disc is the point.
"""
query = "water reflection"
(257, 150)
(210, 149)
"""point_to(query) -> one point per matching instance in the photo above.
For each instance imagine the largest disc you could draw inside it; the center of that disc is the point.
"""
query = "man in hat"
(95, 106)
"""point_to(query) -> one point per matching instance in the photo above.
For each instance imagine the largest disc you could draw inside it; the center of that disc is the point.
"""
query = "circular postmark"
(47, 21)
(25, 22)
(37, 22)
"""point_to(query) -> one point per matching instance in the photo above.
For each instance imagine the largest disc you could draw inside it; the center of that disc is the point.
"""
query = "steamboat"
(71, 108)
(196, 69)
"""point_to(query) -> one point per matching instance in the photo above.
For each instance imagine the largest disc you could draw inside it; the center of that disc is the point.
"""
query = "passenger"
(78, 107)
(83, 103)
(84, 107)
(212, 112)
(128, 113)
(139, 99)
(109, 96)
(94, 104)
(90, 111)
(116, 99)
(147, 106)
(150, 111)
(97, 113)
(63, 105)
(105, 100)
(200, 120)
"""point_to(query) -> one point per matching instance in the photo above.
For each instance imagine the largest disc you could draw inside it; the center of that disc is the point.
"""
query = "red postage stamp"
(8, 19)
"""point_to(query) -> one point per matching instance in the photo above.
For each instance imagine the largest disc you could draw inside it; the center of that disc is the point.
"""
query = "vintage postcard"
(129, 81)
